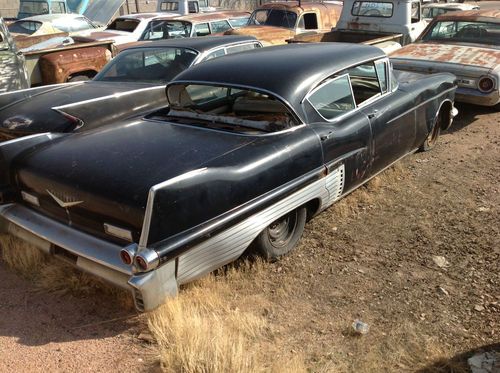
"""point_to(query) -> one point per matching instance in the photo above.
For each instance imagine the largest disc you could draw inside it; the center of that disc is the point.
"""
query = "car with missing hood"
(236, 159)
(466, 44)
(130, 84)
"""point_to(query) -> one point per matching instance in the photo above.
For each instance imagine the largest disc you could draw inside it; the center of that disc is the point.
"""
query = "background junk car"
(466, 44)
(274, 23)
(201, 24)
(237, 158)
(130, 85)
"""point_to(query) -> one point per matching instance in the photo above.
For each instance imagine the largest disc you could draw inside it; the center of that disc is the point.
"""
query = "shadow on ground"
(37, 317)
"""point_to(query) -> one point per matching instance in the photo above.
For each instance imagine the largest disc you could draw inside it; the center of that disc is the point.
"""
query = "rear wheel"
(282, 235)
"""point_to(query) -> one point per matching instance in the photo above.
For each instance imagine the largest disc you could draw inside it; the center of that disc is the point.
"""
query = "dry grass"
(53, 275)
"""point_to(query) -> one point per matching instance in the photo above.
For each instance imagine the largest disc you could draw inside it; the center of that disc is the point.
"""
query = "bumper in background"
(475, 97)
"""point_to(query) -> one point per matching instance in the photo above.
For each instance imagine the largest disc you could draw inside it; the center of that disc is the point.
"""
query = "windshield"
(465, 32)
(165, 29)
(273, 17)
(123, 24)
(226, 108)
(147, 65)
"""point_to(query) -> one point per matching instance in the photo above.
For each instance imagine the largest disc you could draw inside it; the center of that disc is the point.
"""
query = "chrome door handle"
(373, 114)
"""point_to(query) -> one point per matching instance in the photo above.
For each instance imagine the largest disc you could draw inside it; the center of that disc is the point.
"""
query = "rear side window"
(242, 48)
(169, 6)
(121, 24)
(220, 26)
(333, 98)
(201, 29)
(372, 9)
(58, 7)
(25, 27)
(381, 67)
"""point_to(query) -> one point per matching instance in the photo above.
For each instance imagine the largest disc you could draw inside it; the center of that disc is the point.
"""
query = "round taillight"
(141, 263)
(126, 257)
(486, 84)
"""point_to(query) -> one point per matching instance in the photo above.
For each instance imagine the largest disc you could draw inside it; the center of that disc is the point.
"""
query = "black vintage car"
(131, 84)
(249, 147)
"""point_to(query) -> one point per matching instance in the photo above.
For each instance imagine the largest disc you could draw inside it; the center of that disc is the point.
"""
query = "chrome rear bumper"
(93, 255)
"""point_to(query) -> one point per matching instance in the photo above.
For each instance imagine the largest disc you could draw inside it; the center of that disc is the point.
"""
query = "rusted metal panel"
(458, 54)
(58, 67)
(483, 15)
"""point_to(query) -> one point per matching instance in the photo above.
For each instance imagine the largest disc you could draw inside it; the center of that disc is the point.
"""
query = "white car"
(126, 29)
(52, 24)
(430, 11)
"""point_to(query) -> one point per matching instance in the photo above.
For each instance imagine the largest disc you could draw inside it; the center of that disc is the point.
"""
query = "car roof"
(200, 44)
(140, 16)
(52, 17)
(206, 17)
(287, 71)
(483, 15)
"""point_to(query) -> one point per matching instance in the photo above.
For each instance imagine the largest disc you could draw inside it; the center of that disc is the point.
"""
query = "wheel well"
(312, 207)
(445, 115)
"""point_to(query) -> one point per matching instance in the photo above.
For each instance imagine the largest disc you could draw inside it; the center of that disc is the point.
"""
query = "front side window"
(148, 65)
(464, 32)
(308, 21)
(238, 22)
(227, 109)
(166, 29)
(220, 26)
(201, 29)
(334, 98)
(123, 24)
(372, 9)
(273, 17)
(415, 12)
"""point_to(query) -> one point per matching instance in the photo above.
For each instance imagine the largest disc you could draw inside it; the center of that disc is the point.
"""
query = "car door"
(390, 112)
(344, 131)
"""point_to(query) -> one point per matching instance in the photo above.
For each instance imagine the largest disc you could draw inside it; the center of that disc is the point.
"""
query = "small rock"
(360, 327)
(478, 308)
(334, 229)
(424, 160)
(443, 290)
(361, 270)
(440, 261)
(483, 209)
(146, 337)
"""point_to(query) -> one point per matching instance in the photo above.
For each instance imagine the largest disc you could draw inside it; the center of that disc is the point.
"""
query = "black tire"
(79, 78)
(282, 235)
(431, 140)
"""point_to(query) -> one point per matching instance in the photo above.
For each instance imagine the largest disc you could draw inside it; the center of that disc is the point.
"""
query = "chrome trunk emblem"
(64, 204)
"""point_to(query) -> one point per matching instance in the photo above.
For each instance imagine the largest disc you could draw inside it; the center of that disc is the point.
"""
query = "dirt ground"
(369, 257)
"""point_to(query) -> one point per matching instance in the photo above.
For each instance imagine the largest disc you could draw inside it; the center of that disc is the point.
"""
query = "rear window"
(58, 7)
(227, 108)
(123, 24)
(372, 9)
(464, 32)
(273, 17)
(163, 29)
(25, 27)
(147, 65)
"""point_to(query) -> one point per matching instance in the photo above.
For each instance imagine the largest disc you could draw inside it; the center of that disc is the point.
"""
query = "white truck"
(387, 24)
(183, 7)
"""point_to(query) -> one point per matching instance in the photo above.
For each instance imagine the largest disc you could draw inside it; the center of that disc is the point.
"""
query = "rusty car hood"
(102, 12)
(266, 34)
(450, 53)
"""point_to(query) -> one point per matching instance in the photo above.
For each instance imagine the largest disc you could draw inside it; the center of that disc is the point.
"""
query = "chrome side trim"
(230, 244)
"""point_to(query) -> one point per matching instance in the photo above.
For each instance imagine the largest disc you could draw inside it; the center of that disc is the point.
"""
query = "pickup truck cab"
(374, 22)
(274, 23)
(12, 64)
(184, 7)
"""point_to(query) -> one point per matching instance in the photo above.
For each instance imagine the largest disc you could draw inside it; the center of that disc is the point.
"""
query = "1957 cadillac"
(237, 159)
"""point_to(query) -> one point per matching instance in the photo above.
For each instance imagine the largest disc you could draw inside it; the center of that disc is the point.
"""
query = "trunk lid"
(109, 172)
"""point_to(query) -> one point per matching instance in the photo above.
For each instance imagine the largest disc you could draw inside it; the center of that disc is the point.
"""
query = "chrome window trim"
(244, 86)
(326, 82)
(201, 56)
